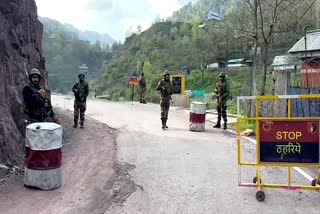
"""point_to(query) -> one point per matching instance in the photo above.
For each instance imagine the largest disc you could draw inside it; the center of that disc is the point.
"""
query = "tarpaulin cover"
(198, 107)
(45, 180)
(197, 116)
(43, 160)
(44, 136)
(43, 156)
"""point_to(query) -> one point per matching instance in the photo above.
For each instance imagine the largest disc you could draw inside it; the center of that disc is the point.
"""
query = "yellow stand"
(257, 182)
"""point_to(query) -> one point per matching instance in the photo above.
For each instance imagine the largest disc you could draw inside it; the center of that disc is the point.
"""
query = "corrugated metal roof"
(313, 43)
(284, 68)
(236, 65)
(284, 60)
(236, 60)
(83, 67)
(213, 65)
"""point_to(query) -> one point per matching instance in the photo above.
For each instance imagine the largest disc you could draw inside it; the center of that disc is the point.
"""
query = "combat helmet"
(34, 71)
(166, 72)
(222, 74)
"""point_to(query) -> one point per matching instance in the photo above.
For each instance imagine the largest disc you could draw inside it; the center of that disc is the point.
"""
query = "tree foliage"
(179, 42)
(64, 53)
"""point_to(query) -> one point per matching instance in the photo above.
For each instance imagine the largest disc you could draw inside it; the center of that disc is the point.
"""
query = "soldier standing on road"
(165, 88)
(81, 92)
(143, 86)
(222, 94)
(37, 100)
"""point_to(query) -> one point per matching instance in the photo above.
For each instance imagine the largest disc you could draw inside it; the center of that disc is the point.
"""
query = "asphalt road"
(188, 172)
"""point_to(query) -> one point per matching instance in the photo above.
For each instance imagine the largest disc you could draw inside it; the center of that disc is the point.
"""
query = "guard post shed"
(178, 83)
(179, 90)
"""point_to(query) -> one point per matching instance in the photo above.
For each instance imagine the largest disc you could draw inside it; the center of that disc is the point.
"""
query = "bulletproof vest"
(168, 86)
(142, 82)
(166, 94)
(224, 88)
(38, 113)
(81, 87)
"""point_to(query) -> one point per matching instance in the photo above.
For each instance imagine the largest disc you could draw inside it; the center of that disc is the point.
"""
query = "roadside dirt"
(89, 177)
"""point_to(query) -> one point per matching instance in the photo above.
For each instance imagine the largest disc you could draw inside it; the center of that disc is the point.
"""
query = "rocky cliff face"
(20, 50)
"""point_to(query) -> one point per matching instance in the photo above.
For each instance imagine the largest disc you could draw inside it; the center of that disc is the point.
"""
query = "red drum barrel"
(43, 158)
(198, 116)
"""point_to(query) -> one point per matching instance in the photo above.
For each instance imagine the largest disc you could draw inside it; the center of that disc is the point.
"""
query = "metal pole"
(132, 91)
(202, 71)
(305, 56)
(306, 68)
(227, 51)
(305, 42)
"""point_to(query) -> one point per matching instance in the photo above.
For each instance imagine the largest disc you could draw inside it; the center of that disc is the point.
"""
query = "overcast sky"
(114, 17)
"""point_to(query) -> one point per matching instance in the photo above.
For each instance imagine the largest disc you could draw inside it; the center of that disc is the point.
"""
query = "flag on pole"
(133, 79)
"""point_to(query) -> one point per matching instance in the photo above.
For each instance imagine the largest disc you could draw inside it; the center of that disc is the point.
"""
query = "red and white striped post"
(198, 116)
(43, 157)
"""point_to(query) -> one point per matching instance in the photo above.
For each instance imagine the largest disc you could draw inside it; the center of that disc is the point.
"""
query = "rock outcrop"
(20, 50)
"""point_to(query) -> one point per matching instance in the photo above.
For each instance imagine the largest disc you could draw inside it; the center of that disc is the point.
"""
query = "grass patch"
(244, 125)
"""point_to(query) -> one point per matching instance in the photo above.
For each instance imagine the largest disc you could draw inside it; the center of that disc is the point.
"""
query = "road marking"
(298, 169)
(303, 173)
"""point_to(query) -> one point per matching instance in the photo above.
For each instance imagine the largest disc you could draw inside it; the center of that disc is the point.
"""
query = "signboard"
(133, 79)
(178, 84)
(289, 141)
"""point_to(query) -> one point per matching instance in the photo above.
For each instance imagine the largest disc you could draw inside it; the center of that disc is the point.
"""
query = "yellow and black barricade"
(290, 142)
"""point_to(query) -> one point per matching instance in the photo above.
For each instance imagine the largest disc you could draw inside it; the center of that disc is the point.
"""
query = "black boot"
(81, 125)
(218, 125)
(163, 124)
(75, 125)
(225, 125)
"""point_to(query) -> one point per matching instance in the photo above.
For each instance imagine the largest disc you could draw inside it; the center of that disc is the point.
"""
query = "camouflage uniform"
(81, 92)
(37, 107)
(222, 94)
(165, 88)
(142, 85)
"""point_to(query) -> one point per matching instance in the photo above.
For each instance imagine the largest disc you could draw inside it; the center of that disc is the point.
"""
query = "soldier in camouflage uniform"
(143, 87)
(222, 94)
(165, 88)
(81, 92)
(37, 100)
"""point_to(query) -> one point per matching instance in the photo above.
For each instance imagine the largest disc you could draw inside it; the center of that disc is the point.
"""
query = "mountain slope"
(66, 48)
(91, 36)
(180, 43)
(197, 10)
(165, 45)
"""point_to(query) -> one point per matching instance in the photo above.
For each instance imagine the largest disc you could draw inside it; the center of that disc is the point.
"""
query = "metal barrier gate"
(281, 142)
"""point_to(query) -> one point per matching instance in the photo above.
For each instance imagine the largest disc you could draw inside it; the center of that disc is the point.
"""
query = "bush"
(245, 124)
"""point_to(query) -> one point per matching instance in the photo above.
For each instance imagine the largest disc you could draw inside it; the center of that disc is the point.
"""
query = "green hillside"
(174, 45)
